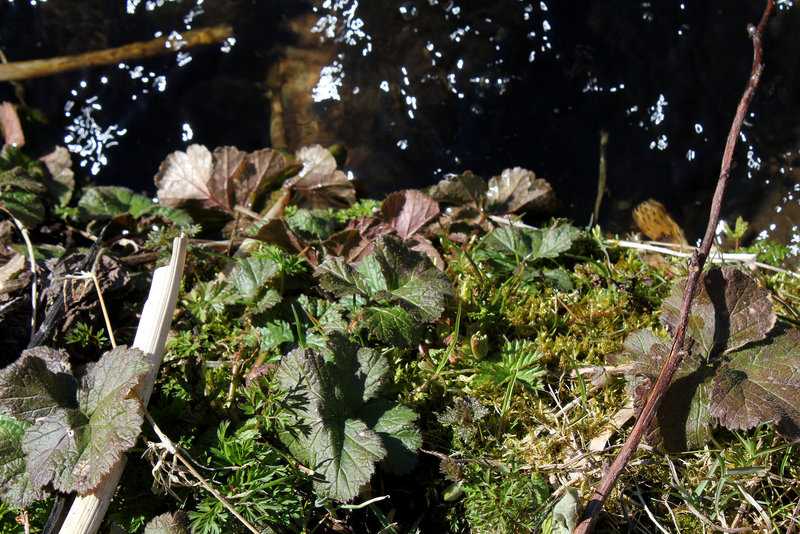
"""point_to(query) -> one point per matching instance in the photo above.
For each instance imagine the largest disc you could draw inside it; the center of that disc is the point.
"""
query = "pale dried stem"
(32, 264)
(105, 310)
(88, 510)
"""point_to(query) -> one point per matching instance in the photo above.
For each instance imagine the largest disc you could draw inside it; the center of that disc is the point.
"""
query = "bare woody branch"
(603, 489)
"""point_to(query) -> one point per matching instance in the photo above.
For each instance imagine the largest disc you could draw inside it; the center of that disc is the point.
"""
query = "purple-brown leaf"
(465, 188)
(319, 184)
(729, 310)
(186, 176)
(408, 211)
(761, 382)
(221, 181)
(10, 126)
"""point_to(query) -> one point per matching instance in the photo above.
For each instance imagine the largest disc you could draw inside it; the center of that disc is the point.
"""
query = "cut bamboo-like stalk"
(88, 510)
(24, 70)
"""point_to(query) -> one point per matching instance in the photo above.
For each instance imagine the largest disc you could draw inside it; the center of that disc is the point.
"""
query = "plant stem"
(35, 281)
(696, 263)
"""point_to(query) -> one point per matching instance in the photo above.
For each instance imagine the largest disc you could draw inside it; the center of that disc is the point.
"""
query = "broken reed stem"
(603, 489)
(23, 70)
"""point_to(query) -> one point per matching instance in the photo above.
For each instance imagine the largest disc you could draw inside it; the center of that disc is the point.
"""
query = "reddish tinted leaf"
(683, 420)
(10, 126)
(186, 176)
(424, 245)
(74, 449)
(408, 211)
(228, 173)
(729, 310)
(168, 524)
(220, 181)
(350, 244)
(761, 382)
(357, 240)
(267, 166)
(319, 184)
(38, 384)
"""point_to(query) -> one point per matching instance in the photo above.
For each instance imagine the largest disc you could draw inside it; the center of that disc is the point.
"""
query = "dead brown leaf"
(220, 181)
(186, 176)
(59, 165)
(518, 189)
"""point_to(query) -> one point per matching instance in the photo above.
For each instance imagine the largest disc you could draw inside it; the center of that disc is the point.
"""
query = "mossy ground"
(502, 440)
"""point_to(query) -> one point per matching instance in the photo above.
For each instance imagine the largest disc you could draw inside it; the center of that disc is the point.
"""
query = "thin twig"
(170, 446)
(676, 353)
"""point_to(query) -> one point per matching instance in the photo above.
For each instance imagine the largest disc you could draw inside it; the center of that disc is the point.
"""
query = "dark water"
(420, 89)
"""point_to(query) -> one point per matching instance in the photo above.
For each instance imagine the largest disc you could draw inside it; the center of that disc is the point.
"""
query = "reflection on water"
(419, 89)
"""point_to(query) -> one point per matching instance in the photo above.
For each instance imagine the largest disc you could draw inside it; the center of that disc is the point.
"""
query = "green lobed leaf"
(110, 201)
(552, 241)
(273, 333)
(37, 384)
(393, 325)
(53, 444)
(75, 448)
(310, 226)
(252, 273)
(512, 244)
(393, 274)
(325, 392)
(112, 378)
(23, 205)
(19, 178)
(566, 512)
(176, 215)
(341, 429)
(412, 279)
(340, 278)
(15, 487)
(371, 276)
(374, 368)
(761, 382)
(114, 429)
(511, 240)
(394, 424)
